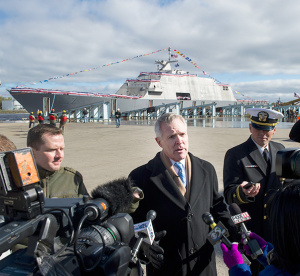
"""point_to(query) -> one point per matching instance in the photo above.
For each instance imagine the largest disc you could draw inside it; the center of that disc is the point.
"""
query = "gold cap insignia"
(263, 116)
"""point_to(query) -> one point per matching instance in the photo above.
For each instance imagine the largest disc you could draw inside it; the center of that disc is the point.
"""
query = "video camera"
(288, 163)
(98, 245)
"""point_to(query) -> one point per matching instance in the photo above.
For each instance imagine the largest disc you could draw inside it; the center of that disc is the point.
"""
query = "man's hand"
(252, 191)
(154, 252)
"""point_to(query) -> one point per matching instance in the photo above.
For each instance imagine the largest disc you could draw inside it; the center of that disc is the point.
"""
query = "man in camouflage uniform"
(47, 143)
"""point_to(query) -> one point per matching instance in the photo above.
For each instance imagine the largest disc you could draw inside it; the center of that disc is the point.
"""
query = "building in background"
(11, 105)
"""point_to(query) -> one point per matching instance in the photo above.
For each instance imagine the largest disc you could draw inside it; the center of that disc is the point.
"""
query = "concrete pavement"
(102, 152)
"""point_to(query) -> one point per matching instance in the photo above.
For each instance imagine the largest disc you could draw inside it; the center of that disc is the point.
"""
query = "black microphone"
(238, 218)
(144, 232)
(218, 230)
(218, 233)
(112, 197)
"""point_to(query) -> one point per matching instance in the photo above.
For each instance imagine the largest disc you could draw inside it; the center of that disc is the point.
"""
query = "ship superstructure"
(172, 84)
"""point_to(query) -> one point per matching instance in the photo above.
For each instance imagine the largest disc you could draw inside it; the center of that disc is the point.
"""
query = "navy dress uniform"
(246, 162)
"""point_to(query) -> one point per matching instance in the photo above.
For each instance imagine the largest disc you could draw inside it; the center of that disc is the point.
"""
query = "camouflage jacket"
(64, 183)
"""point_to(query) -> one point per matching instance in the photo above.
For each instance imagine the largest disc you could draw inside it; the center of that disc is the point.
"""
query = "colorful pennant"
(124, 60)
(86, 70)
(242, 95)
(195, 64)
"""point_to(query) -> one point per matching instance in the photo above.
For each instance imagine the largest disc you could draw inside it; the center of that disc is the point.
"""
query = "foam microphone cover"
(117, 193)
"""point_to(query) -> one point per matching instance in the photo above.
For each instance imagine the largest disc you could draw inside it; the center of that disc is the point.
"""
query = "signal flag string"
(91, 69)
(177, 52)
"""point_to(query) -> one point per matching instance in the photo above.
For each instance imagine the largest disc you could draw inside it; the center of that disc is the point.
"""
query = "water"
(12, 117)
(218, 122)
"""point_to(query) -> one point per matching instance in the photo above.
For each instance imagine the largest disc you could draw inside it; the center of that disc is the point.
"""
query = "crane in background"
(290, 102)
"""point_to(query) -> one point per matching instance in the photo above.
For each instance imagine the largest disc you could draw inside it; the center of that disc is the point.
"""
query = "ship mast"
(165, 64)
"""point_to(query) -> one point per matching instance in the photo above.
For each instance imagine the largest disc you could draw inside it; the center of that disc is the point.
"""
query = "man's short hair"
(166, 118)
(34, 137)
(6, 144)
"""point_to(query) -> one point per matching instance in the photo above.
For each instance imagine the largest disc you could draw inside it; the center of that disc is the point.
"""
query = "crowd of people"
(53, 119)
(63, 118)
(182, 187)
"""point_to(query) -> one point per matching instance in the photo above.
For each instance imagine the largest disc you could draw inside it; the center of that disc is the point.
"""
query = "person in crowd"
(40, 117)
(85, 113)
(249, 171)
(53, 118)
(118, 117)
(31, 120)
(62, 121)
(283, 256)
(180, 188)
(47, 143)
(6, 144)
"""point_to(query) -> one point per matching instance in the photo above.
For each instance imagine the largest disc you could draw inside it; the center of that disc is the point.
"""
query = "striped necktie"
(180, 168)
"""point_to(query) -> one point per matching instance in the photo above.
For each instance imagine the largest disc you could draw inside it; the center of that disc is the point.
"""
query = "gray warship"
(163, 86)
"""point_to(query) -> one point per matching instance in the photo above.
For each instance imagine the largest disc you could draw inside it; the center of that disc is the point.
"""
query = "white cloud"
(257, 41)
(270, 89)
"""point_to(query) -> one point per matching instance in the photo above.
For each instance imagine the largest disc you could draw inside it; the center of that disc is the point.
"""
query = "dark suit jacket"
(187, 250)
(295, 132)
(245, 163)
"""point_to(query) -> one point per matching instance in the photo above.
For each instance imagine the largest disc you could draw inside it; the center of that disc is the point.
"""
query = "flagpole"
(169, 53)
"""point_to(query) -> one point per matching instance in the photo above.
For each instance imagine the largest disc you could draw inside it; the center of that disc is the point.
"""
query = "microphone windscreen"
(208, 218)
(234, 209)
(117, 193)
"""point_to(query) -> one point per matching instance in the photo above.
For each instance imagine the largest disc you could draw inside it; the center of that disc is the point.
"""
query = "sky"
(252, 45)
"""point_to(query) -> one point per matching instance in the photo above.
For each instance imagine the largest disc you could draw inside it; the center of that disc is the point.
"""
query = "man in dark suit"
(180, 196)
(246, 163)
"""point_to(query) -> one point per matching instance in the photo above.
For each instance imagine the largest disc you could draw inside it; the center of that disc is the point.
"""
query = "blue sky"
(252, 45)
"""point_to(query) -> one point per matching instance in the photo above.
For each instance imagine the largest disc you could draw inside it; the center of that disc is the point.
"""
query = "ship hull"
(175, 86)
(130, 105)
(33, 102)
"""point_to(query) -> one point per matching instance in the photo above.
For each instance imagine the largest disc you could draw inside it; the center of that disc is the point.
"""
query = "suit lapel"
(162, 179)
(272, 180)
(257, 156)
(198, 181)
(273, 153)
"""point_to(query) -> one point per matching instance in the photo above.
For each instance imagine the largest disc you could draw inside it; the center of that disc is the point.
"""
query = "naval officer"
(249, 170)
